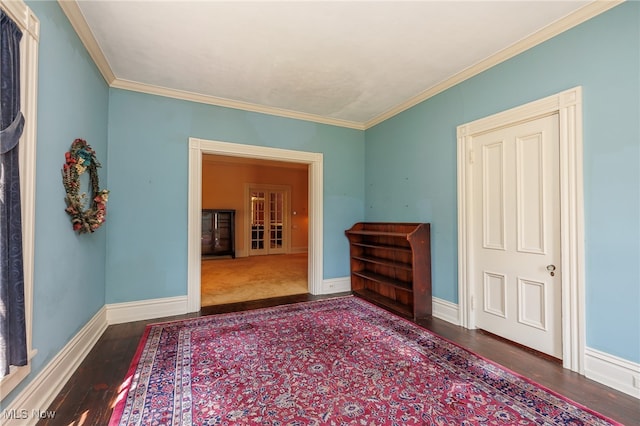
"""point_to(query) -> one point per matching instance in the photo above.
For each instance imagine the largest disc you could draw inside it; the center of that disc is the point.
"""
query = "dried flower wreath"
(80, 158)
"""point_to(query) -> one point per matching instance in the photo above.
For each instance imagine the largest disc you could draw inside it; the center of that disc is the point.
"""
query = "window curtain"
(13, 341)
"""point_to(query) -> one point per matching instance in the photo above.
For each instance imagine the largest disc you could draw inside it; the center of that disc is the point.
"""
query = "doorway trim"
(314, 161)
(568, 106)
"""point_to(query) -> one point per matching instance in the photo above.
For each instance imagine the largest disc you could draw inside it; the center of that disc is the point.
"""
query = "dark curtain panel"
(13, 341)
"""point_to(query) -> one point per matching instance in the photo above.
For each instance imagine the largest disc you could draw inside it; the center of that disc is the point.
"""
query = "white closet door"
(516, 211)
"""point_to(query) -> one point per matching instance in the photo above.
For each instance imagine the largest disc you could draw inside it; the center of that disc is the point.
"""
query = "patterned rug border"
(122, 397)
(123, 391)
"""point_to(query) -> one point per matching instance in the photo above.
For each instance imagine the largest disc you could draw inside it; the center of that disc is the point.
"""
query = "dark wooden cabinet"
(391, 266)
(218, 233)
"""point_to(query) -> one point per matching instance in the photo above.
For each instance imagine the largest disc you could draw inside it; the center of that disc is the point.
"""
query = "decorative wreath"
(80, 158)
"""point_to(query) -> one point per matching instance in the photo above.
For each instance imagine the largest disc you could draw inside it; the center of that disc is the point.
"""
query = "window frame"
(29, 24)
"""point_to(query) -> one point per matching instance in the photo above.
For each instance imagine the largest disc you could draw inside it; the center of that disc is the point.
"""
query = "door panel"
(495, 294)
(516, 201)
(531, 303)
(257, 202)
(493, 197)
(276, 222)
(530, 194)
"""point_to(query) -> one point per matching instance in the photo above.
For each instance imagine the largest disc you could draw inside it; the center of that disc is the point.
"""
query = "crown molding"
(79, 24)
(228, 103)
(574, 19)
(71, 9)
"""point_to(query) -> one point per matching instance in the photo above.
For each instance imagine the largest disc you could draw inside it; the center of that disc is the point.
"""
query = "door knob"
(551, 269)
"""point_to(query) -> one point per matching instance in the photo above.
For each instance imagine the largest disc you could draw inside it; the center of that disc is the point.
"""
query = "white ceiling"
(355, 62)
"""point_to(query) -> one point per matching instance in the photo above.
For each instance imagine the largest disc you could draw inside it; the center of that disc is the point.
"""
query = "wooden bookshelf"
(391, 265)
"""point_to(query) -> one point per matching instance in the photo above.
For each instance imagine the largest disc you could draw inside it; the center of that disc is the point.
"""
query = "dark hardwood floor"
(87, 399)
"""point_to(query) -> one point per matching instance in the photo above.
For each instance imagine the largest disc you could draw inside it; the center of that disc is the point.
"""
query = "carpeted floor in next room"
(225, 280)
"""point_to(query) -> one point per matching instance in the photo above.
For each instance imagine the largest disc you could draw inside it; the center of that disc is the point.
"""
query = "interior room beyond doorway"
(250, 276)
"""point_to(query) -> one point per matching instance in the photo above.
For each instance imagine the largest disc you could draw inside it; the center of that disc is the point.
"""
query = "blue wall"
(69, 281)
(148, 177)
(411, 162)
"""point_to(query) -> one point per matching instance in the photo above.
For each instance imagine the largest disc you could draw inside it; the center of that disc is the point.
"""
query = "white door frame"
(568, 106)
(199, 147)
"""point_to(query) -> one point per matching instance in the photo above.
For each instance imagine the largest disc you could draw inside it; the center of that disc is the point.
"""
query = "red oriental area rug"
(333, 362)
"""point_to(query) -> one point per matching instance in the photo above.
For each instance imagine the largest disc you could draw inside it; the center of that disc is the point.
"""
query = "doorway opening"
(198, 149)
(254, 229)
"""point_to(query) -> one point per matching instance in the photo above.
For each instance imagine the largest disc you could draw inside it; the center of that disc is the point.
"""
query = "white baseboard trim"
(445, 310)
(612, 371)
(336, 285)
(118, 313)
(42, 390)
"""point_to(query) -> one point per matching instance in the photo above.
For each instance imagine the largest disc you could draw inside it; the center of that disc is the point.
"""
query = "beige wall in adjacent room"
(223, 182)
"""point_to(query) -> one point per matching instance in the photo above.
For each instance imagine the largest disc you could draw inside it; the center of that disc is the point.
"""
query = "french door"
(268, 207)
(516, 242)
